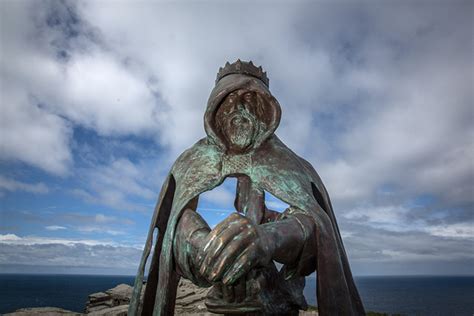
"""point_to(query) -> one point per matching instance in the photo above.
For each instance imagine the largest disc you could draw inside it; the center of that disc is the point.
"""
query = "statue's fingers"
(235, 219)
(216, 245)
(233, 249)
(246, 261)
(232, 220)
(227, 221)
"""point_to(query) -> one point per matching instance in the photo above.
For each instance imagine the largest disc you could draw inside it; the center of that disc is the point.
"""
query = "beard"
(240, 135)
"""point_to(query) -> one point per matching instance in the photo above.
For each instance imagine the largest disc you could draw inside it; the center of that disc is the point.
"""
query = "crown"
(243, 67)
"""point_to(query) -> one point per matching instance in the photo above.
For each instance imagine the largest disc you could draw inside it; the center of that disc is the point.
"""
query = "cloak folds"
(271, 167)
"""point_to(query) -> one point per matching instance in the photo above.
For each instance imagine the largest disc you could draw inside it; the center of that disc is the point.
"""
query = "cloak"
(271, 167)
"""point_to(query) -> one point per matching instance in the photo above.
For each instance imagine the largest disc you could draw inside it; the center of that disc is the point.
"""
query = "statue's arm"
(293, 235)
(190, 233)
(290, 234)
(236, 245)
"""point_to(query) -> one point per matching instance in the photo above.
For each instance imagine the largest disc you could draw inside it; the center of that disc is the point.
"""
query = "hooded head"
(241, 112)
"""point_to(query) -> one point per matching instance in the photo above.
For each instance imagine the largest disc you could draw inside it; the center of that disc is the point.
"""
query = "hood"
(229, 83)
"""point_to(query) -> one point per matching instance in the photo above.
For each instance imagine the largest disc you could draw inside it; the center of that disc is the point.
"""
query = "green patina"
(270, 166)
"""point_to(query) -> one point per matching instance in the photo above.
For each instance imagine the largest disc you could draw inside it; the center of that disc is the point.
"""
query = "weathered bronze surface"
(237, 257)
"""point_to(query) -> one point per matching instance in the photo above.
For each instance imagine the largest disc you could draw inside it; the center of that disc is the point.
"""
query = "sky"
(98, 98)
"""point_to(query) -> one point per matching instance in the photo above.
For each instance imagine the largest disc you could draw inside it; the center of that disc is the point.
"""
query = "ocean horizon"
(405, 295)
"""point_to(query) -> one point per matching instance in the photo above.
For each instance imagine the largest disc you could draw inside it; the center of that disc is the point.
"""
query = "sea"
(404, 295)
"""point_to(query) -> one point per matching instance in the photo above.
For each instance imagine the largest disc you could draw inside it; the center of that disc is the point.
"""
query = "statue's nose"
(237, 106)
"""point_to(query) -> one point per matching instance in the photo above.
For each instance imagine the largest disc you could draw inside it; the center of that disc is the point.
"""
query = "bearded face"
(236, 120)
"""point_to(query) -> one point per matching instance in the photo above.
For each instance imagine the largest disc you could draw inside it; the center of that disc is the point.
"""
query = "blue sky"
(98, 98)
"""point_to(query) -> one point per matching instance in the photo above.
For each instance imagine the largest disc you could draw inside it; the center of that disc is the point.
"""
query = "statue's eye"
(248, 96)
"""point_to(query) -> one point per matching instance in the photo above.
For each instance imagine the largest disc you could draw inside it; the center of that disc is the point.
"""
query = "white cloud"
(379, 216)
(28, 132)
(31, 134)
(185, 62)
(122, 175)
(118, 80)
(92, 219)
(55, 227)
(100, 93)
(9, 238)
(459, 230)
(390, 82)
(373, 95)
(369, 245)
(14, 185)
(101, 218)
(411, 126)
(220, 196)
(34, 240)
(44, 96)
(97, 224)
(99, 229)
(16, 250)
(116, 182)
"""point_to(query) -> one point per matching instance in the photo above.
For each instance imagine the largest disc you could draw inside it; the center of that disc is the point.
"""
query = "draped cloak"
(271, 167)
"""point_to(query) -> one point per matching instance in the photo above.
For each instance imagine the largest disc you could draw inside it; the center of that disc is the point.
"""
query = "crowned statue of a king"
(255, 260)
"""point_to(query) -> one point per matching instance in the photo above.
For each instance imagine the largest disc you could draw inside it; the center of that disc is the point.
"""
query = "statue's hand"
(233, 248)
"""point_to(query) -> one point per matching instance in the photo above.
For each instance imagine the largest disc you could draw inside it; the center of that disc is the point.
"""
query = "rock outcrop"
(190, 299)
(110, 299)
(43, 311)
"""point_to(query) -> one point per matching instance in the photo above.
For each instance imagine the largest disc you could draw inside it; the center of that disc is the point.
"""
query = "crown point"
(243, 67)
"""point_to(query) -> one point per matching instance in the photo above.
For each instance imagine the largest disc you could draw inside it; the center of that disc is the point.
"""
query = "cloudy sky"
(98, 98)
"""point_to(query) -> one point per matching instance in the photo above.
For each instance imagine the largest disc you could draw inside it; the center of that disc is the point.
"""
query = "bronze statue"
(237, 257)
